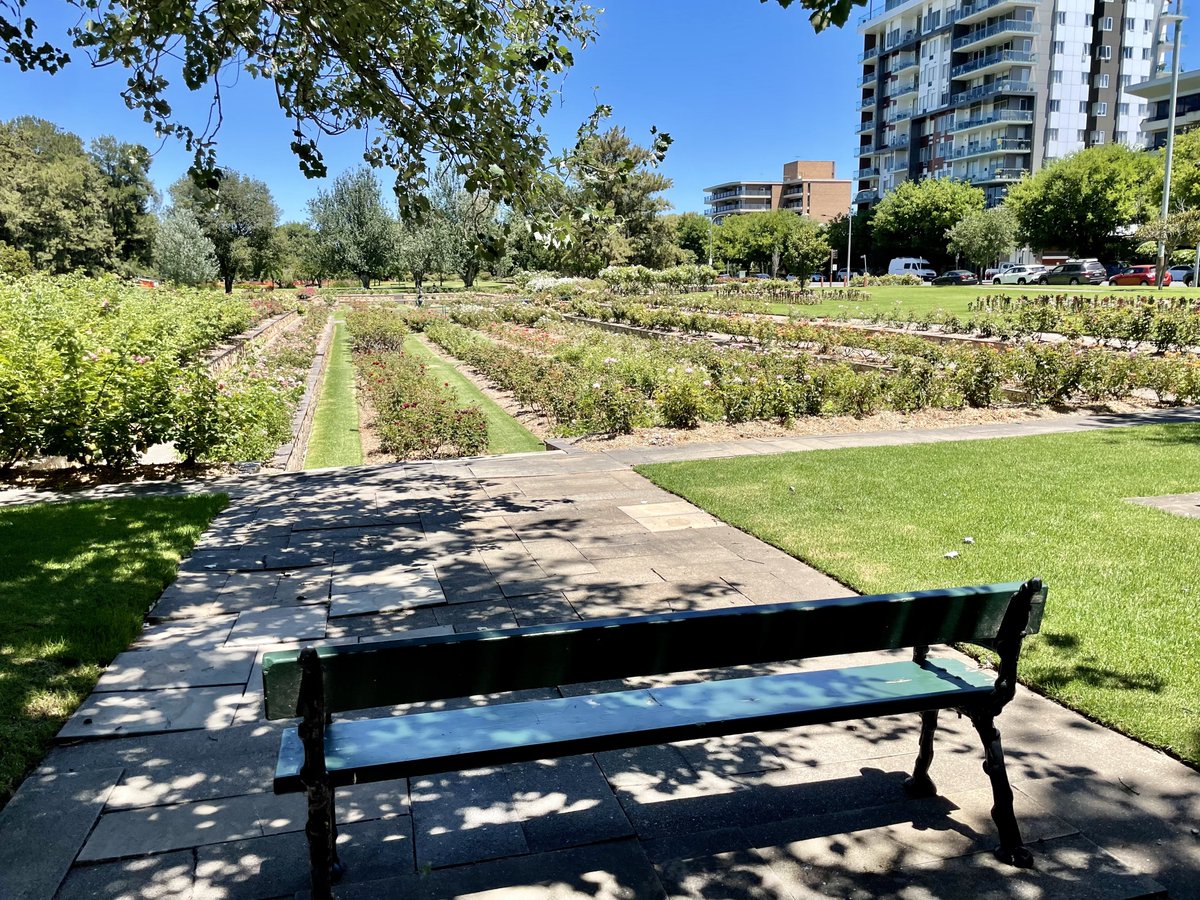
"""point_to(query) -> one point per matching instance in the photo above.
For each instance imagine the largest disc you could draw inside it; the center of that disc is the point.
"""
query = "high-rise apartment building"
(987, 90)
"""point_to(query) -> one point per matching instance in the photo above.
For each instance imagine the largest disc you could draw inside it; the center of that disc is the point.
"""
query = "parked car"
(1019, 275)
(993, 272)
(1182, 275)
(911, 265)
(956, 276)
(1076, 271)
(842, 275)
(1143, 275)
(1114, 268)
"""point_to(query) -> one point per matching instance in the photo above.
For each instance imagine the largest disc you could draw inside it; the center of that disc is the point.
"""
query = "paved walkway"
(160, 785)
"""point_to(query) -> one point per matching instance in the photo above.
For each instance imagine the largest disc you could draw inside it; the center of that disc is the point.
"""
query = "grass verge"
(1121, 637)
(335, 437)
(901, 300)
(75, 581)
(505, 434)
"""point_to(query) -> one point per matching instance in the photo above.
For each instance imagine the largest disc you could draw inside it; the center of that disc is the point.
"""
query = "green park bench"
(320, 755)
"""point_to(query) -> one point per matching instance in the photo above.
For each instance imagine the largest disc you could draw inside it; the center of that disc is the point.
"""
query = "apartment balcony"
(907, 39)
(738, 192)
(866, 196)
(902, 88)
(865, 103)
(739, 207)
(996, 147)
(897, 115)
(867, 149)
(972, 13)
(992, 62)
(897, 165)
(999, 86)
(896, 141)
(998, 116)
(998, 33)
(869, 172)
(996, 175)
(866, 127)
(868, 55)
(868, 78)
(902, 62)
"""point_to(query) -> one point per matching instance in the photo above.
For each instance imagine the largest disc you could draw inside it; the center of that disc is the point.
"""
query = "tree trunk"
(470, 270)
(229, 284)
(366, 281)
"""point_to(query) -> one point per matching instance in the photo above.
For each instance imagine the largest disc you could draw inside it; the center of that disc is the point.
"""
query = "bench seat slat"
(453, 740)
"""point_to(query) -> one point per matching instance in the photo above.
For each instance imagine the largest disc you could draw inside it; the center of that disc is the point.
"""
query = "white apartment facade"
(987, 90)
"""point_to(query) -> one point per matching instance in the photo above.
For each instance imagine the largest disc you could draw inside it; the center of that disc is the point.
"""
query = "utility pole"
(849, 238)
(1177, 20)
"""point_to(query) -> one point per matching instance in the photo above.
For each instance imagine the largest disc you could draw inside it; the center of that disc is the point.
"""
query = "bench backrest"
(413, 670)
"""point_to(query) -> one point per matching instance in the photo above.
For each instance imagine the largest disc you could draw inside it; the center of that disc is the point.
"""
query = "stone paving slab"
(43, 826)
(1179, 504)
(150, 712)
(278, 625)
(176, 667)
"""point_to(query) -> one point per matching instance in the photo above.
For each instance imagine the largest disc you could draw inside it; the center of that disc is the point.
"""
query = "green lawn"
(1121, 636)
(75, 580)
(919, 299)
(335, 440)
(505, 434)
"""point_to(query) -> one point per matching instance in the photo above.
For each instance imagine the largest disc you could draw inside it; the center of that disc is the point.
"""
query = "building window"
(1100, 109)
(1088, 19)
(1097, 137)
(1056, 76)
(1102, 81)
(1054, 105)
(1126, 80)
(1084, 76)
(1104, 52)
(1062, 18)
(1083, 106)
(1082, 135)
(1058, 47)
(1120, 136)
(1087, 50)
(1123, 109)
(1106, 23)
(1130, 23)
(1127, 52)
(1052, 134)
(1146, 53)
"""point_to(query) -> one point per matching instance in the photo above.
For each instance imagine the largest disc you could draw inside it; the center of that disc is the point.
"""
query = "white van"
(911, 265)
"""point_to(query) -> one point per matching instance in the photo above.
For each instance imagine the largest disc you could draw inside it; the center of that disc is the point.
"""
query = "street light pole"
(1177, 19)
(849, 238)
(710, 242)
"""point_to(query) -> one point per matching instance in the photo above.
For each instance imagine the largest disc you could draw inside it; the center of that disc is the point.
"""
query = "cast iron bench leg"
(920, 784)
(1012, 850)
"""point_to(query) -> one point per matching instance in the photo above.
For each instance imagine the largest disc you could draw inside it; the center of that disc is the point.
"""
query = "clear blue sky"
(741, 86)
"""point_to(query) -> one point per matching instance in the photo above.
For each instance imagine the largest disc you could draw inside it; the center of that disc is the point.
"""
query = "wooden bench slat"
(414, 670)
(453, 740)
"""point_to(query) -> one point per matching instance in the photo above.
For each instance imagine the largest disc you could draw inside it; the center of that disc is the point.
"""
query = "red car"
(1143, 275)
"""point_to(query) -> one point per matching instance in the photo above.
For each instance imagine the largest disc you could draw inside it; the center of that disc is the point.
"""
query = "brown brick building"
(809, 187)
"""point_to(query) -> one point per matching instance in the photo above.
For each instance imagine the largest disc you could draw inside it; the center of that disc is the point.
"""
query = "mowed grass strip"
(505, 434)
(335, 439)
(75, 581)
(1121, 635)
(902, 300)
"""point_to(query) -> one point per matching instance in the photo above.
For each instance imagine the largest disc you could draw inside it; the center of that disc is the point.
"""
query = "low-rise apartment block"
(809, 187)
(1157, 93)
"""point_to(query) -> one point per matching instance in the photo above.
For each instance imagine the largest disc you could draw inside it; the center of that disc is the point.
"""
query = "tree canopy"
(462, 82)
(984, 237)
(773, 242)
(238, 215)
(1086, 203)
(53, 198)
(355, 233)
(913, 218)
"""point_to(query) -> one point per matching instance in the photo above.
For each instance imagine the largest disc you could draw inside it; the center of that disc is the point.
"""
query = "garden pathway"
(160, 784)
